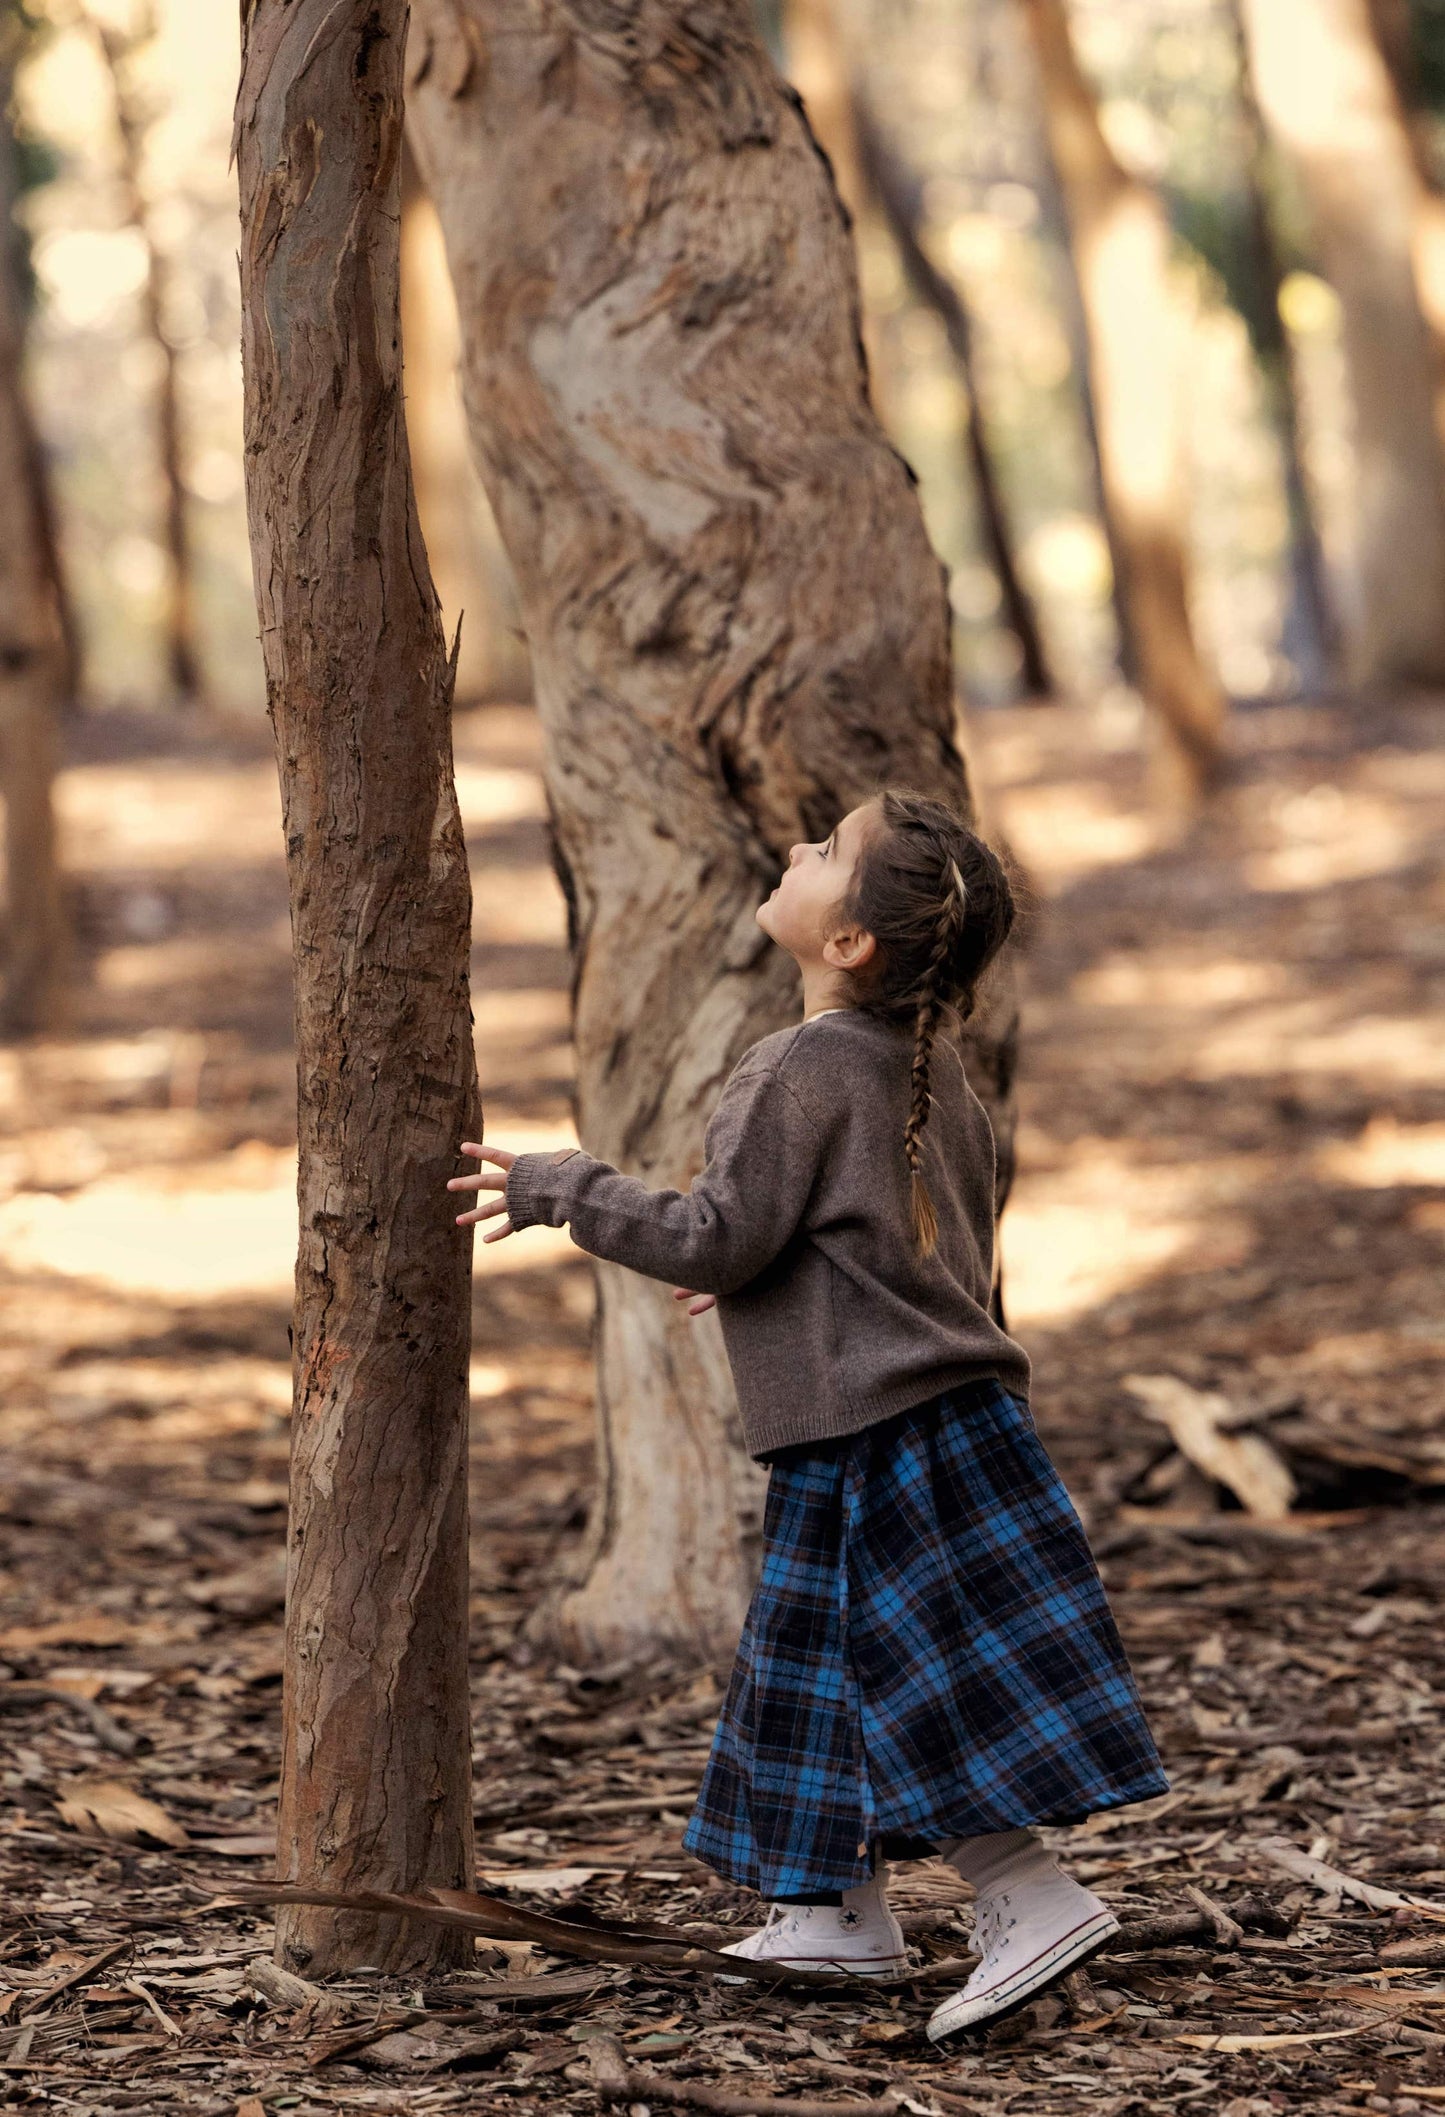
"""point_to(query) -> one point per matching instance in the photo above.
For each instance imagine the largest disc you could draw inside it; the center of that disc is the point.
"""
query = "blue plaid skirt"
(929, 1654)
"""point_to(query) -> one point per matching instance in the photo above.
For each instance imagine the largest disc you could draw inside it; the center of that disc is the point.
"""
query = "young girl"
(929, 1664)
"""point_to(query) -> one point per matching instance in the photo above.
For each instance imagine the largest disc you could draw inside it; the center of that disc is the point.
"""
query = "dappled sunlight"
(1145, 979)
(1087, 1223)
(518, 904)
(1064, 832)
(1327, 837)
(169, 813)
(1387, 1152)
(221, 1227)
(1303, 1040)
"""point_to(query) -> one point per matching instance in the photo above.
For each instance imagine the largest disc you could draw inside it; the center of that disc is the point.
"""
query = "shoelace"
(995, 1923)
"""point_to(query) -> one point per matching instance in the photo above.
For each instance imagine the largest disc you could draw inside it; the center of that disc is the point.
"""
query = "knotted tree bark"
(375, 1771)
(738, 630)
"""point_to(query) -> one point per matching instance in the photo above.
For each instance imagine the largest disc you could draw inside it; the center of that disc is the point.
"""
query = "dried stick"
(616, 2081)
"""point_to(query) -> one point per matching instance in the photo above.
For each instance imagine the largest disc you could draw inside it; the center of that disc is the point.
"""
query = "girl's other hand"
(704, 1301)
(486, 1180)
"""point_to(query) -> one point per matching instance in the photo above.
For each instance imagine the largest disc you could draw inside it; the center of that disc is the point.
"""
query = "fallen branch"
(1414, 1955)
(1331, 1882)
(1227, 1931)
(107, 1732)
(82, 1974)
(1201, 1424)
(608, 1941)
(616, 2081)
(593, 1939)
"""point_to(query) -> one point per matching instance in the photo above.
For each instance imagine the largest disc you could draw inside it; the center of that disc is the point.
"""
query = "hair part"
(938, 903)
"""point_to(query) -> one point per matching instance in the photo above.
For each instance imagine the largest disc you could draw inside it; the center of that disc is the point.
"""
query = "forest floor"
(1232, 1177)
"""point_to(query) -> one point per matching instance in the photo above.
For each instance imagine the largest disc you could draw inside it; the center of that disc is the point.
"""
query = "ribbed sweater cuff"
(527, 1190)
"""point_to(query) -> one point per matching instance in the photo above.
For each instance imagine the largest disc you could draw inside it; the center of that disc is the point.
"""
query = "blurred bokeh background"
(936, 121)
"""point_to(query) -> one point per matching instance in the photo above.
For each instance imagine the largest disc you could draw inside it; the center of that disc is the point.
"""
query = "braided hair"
(937, 901)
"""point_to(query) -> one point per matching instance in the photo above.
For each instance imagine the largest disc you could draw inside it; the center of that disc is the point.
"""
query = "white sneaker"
(1027, 1937)
(859, 1937)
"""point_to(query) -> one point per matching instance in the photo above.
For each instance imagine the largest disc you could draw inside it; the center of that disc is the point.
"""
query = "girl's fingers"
(485, 1181)
(501, 1156)
(487, 1212)
(496, 1234)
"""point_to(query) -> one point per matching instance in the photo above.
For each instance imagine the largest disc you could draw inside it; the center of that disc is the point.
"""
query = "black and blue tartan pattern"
(929, 1654)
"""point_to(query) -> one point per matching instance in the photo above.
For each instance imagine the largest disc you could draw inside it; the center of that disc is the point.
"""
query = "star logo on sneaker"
(850, 1917)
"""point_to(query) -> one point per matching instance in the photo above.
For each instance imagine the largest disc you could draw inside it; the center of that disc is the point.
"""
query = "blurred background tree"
(983, 367)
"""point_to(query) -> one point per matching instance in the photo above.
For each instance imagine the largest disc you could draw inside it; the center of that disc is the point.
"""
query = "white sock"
(1004, 1859)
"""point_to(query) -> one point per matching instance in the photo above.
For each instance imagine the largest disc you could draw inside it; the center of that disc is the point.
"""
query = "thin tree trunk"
(468, 564)
(738, 630)
(896, 191)
(32, 666)
(1390, 20)
(1119, 234)
(1338, 118)
(1311, 634)
(375, 1765)
(183, 661)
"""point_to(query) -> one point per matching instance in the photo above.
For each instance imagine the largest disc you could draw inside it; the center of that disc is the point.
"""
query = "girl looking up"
(929, 1664)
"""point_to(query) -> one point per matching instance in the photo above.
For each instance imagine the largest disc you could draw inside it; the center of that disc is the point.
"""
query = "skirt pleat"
(929, 1654)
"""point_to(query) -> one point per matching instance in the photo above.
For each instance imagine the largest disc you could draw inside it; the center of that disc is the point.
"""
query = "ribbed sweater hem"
(793, 1430)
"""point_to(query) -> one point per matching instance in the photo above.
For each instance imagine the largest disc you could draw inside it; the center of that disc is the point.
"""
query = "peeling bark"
(738, 630)
(375, 1772)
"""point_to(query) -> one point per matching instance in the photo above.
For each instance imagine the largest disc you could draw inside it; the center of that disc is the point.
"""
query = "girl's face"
(803, 913)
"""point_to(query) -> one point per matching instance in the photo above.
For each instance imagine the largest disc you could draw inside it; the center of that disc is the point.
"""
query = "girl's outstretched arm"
(763, 1149)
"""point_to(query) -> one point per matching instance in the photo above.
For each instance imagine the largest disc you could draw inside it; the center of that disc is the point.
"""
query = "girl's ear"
(851, 949)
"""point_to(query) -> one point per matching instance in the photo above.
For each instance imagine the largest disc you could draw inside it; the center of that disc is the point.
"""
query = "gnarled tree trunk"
(376, 1756)
(1339, 120)
(1119, 235)
(738, 629)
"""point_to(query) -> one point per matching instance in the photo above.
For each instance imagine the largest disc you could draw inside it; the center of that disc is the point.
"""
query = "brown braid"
(922, 1217)
(938, 903)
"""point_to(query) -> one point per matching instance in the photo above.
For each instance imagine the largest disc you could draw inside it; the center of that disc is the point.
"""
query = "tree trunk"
(1311, 636)
(183, 662)
(469, 567)
(738, 631)
(375, 1767)
(32, 667)
(1390, 21)
(1119, 233)
(896, 191)
(1339, 121)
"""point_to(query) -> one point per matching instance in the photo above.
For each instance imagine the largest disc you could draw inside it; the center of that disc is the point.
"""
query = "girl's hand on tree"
(704, 1301)
(486, 1180)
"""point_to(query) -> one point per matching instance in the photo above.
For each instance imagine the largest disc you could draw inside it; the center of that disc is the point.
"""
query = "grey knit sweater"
(798, 1222)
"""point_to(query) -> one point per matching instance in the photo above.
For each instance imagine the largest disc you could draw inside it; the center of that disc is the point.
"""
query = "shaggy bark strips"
(738, 626)
(375, 1779)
